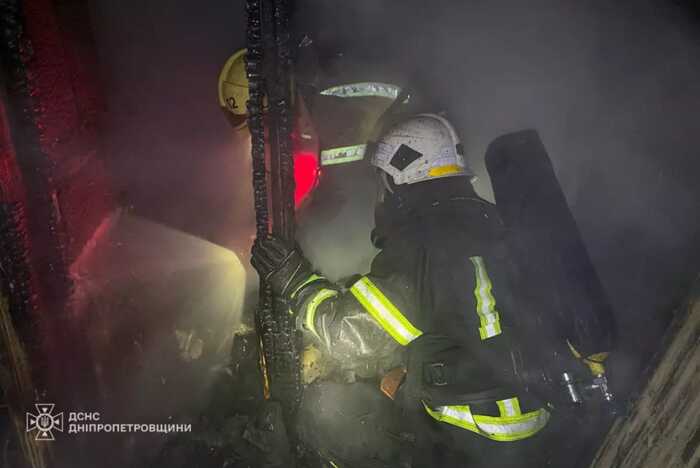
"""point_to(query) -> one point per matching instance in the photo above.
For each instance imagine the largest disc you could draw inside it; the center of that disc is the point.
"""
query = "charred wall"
(52, 175)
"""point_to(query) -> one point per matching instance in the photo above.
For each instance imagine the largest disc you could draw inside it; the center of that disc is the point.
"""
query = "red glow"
(305, 176)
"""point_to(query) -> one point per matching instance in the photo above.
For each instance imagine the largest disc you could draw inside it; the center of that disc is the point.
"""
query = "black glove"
(281, 264)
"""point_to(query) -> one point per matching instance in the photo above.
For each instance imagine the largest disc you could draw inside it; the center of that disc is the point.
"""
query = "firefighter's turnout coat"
(438, 291)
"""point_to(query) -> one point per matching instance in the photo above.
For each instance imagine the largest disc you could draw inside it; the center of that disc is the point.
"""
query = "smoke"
(613, 89)
(160, 287)
(334, 228)
(159, 308)
(172, 155)
(188, 283)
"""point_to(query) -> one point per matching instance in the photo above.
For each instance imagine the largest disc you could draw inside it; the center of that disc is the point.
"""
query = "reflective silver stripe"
(364, 89)
(319, 297)
(512, 428)
(343, 154)
(458, 413)
(485, 302)
(384, 312)
(509, 407)
(502, 428)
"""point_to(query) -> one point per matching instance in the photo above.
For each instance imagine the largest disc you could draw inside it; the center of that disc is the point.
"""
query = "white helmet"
(423, 147)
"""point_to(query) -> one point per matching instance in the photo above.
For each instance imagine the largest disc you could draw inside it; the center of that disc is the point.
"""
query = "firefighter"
(437, 296)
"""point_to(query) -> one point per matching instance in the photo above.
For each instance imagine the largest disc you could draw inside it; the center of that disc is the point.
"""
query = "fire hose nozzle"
(579, 391)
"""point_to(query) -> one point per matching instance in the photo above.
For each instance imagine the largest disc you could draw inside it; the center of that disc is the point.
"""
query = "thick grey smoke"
(614, 90)
(334, 229)
(158, 295)
(171, 152)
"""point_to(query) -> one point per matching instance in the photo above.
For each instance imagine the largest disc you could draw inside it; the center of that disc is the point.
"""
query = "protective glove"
(281, 264)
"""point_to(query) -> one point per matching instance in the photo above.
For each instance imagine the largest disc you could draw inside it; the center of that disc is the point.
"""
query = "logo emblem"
(44, 421)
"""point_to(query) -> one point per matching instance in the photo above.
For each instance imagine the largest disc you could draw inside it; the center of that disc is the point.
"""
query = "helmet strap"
(388, 182)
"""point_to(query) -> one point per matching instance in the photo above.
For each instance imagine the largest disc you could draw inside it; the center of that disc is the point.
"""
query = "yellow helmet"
(233, 89)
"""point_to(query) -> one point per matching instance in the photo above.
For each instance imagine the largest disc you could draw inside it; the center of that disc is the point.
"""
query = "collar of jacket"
(456, 212)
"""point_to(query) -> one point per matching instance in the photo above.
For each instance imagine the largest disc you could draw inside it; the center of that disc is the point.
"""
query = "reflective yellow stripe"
(509, 407)
(310, 279)
(485, 302)
(384, 312)
(500, 428)
(316, 301)
(445, 170)
(506, 429)
(364, 89)
(460, 416)
(343, 154)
